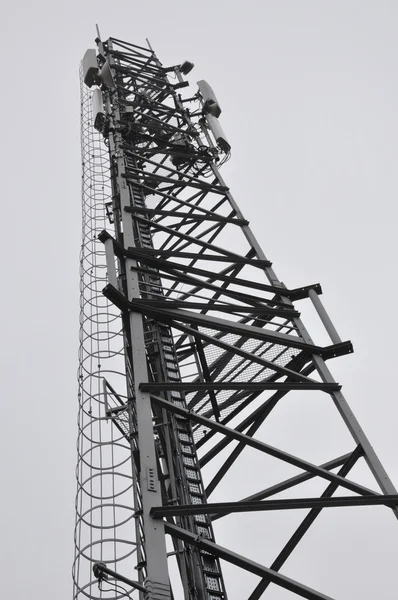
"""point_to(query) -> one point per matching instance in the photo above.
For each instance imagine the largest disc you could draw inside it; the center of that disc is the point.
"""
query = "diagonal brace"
(262, 446)
(244, 563)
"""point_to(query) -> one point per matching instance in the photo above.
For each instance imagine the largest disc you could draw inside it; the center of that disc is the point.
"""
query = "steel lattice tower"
(189, 342)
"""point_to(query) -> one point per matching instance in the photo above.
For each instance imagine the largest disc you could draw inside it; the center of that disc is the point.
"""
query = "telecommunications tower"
(189, 345)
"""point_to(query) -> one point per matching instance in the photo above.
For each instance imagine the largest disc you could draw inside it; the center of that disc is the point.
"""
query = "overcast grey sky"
(309, 97)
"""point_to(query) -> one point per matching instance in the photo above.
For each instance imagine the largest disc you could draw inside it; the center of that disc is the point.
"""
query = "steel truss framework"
(213, 341)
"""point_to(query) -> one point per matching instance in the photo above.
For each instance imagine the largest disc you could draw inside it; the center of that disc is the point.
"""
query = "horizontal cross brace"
(177, 182)
(196, 196)
(231, 327)
(249, 387)
(197, 285)
(166, 265)
(290, 483)
(260, 264)
(150, 212)
(146, 256)
(228, 308)
(185, 316)
(295, 294)
(226, 256)
(131, 50)
(245, 563)
(222, 508)
(188, 238)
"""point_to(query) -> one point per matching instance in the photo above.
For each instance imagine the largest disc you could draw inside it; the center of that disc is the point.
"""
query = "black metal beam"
(227, 308)
(261, 411)
(297, 536)
(185, 216)
(169, 265)
(244, 563)
(261, 446)
(249, 387)
(206, 374)
(254, 426)
(251, 417)
(291, 482)
(235, 350)
(133, 172)
(197, 284)
(260, 264)
(178, 181)
(244, 330)
(235, 327)
(184, 236)
(224, 508)
(294, 294)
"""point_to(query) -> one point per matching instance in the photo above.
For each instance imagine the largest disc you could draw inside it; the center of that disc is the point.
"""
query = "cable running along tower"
(189, 344)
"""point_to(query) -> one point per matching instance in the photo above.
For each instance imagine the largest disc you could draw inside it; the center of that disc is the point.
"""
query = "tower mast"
(189, 341)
